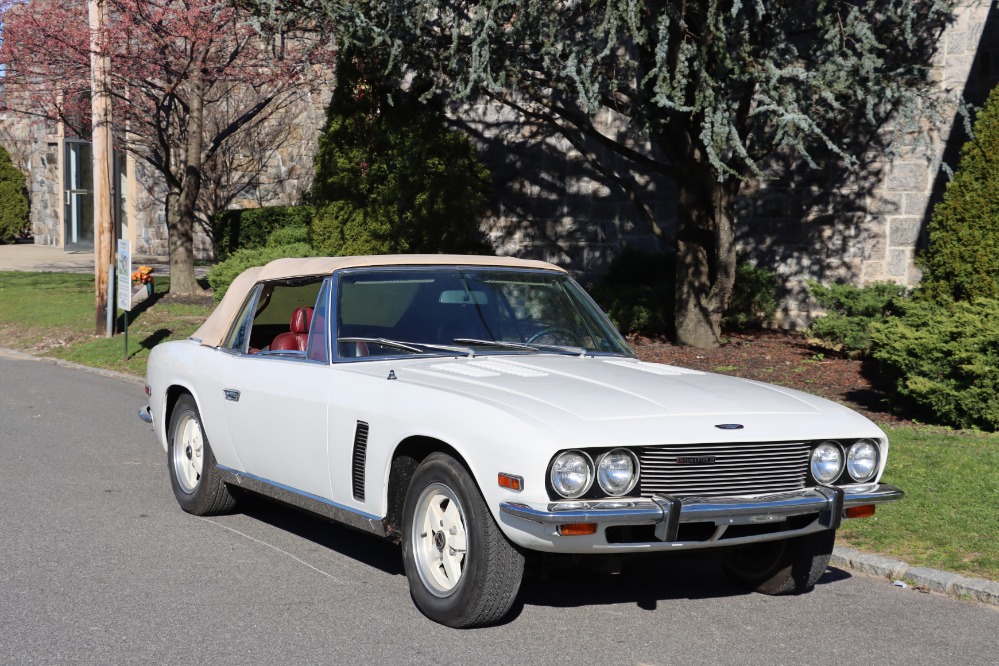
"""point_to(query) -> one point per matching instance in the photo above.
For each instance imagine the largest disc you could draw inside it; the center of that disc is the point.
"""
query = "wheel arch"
(173, 394)
(406, 459)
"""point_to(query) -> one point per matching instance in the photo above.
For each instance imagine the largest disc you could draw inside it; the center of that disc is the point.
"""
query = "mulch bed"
(782, 358)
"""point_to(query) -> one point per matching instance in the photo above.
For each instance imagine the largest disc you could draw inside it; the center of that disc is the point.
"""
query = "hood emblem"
(730, 426)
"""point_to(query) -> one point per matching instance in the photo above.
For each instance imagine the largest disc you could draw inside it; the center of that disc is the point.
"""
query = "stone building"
(275, 168)
(550, 204)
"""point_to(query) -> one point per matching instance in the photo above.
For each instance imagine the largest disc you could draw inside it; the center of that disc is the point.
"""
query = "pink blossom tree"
(188, 78)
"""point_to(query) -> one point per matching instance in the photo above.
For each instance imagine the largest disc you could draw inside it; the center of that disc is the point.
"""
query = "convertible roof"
(216, 326)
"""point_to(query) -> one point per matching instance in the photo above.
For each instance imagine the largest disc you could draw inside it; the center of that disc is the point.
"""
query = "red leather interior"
(297, 338)
(300, 320)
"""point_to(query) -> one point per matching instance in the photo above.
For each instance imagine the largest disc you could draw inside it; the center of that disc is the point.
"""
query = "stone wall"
(30, 152)
(867, 225)
(549, 202)
(267, 166)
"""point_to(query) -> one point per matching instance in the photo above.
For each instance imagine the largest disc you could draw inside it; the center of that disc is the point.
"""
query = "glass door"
(79, 194)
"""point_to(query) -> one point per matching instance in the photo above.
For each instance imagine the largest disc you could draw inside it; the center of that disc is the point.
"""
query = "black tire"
(195, 481)
(456, 587)
(790, 566)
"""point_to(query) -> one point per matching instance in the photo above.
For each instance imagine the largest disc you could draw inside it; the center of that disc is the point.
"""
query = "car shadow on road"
(645, 581)
(549, 581)
(377, 553)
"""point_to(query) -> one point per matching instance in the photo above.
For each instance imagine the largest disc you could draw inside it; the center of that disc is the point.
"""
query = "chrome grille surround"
(726, 469)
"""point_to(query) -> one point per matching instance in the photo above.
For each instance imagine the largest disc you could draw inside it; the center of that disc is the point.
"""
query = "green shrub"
(390, 177)
(13, 200)
(222, 274)
(754, 296)
(944, 359)
(637, 292)
(288, 236)
(249, 228)
(961, 260)
(851, 312)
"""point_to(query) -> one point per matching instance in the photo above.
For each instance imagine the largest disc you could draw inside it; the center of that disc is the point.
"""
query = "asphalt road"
(99, 565)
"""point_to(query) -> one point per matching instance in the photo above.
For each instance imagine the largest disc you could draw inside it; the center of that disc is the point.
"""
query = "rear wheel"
(195, 481)
(462, 570)
(789, 566)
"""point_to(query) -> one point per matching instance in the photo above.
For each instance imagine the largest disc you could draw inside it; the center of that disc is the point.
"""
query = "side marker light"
(510, 481)
(865, 511)
(577, 529)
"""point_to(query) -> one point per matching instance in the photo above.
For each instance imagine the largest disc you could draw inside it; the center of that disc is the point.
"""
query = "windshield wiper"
(565, 349)
(385, 342)
(414, 347)
(496, 343)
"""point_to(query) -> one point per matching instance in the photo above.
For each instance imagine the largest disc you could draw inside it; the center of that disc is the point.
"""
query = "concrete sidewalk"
(49, 259)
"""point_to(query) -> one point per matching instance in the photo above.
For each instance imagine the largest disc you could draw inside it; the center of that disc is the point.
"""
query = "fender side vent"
(360, 453)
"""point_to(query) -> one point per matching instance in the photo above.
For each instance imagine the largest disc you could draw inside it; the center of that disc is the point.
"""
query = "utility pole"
(100, 69)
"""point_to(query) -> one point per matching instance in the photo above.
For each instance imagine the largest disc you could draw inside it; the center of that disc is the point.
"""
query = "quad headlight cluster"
(573, 473)
(860, 460)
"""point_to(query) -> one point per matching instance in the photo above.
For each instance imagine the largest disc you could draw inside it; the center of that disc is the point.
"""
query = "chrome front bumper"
(668, 512)
(146, 414)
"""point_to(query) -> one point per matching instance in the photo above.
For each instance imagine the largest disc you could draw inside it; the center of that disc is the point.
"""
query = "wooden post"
(100, 67)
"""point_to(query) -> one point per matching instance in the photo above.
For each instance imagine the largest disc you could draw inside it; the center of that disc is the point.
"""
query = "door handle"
(231, 394)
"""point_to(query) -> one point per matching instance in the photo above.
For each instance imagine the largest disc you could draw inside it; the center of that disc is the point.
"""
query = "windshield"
(388, 312)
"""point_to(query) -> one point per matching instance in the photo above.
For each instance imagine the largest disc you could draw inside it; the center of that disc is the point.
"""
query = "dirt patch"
(193, 299)
(785, 359)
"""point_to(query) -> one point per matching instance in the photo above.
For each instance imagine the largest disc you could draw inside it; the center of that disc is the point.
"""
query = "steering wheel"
(555, 335)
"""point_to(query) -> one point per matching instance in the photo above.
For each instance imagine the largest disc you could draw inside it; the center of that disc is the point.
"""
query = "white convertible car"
(481, 409)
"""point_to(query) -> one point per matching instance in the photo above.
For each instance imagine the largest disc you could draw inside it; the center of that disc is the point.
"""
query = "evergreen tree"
(715, 87)
(961, 261)
(13, 200)
(390, 176)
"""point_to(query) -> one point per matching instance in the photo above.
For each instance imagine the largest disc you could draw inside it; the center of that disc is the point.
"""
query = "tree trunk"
(180, 205)
(705, 266)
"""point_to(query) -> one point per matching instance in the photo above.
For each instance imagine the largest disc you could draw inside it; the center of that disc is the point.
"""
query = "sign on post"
(124, 275)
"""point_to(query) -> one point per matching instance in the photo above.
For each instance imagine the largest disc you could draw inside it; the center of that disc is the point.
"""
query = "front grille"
(749, 468)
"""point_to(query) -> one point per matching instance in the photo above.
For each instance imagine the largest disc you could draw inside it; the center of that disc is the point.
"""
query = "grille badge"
(695, 460)
(730, 426)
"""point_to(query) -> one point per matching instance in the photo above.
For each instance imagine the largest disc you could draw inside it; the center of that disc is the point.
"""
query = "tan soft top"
(216, 326)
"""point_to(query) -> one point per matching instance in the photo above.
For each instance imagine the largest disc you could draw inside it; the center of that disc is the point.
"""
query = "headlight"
(827, 462)
(617, 472)
(572, 474)
(862, 460)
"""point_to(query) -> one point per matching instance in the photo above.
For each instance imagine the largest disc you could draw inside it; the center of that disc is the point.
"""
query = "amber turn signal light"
(865, 511)
(510, 481)
(577, 529)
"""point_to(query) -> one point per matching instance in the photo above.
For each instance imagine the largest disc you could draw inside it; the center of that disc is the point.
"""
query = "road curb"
(114, 374)
(921, 578)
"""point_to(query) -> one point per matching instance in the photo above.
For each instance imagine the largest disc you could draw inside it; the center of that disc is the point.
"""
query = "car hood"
(573, 391)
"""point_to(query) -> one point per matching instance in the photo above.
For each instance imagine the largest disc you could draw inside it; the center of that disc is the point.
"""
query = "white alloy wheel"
(462, 570)
(189, 454)
(196, 482)
(439, 541)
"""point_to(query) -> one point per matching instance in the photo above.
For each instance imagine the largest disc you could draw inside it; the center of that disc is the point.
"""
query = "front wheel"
(789, 566)
(195, 481)
(462, 570)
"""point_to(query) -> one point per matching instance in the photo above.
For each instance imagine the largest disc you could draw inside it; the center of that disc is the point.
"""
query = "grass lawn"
(53, 314)
(948, 520)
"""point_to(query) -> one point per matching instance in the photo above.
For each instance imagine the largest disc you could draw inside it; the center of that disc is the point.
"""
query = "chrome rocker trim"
(667, 512)
(319, 506)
